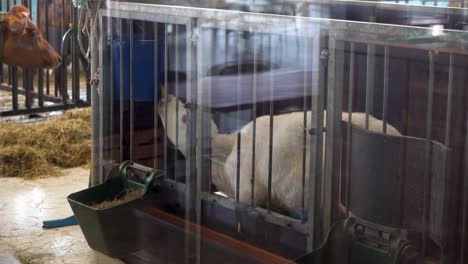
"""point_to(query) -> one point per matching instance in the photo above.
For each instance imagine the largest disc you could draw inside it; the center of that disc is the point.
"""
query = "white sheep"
(287, 164)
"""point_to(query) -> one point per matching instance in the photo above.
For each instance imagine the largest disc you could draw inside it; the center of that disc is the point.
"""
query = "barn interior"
(367, 195)
(276, 132)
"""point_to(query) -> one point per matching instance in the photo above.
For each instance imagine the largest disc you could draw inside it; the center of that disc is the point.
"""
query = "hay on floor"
(35, 149)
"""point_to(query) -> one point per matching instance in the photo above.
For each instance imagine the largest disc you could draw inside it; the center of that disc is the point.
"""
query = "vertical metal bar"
(1, 42)
(63, 72)
(97, 169)
(370, 81)
(197, 126)
(448, 125)
(350, 121)
(166, 65)
(62, 21)
(464, 232)
(156, 95)
(121, 88)
(54, 39)
(226, 43)
(254, 120)
(319, 82)
(304, 135)
(270, 143)
(40, 87)
(46, 19)
(75, 58)
(109, 38)
(427, 170)
(27, 83)
(132, 102)
(176, 89)
(239, 73)
(102, 97)
(14, 84)
(210, 56)
(334, 117)
(9, 75)
(385, 89)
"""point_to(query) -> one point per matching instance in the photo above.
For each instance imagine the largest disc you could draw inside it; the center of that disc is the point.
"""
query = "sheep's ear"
(184, 119)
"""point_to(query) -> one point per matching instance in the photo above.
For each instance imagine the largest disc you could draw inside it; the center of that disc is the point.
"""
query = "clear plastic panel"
(287, 138)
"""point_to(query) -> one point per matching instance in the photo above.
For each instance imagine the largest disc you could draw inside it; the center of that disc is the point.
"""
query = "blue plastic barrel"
(143, 68)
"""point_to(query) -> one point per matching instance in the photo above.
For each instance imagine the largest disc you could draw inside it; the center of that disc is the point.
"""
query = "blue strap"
(69, 221)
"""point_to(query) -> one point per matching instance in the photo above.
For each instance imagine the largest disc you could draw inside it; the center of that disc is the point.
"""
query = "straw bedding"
(41, 148)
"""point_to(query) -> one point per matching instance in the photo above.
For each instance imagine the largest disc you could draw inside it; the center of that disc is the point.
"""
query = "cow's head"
(24, 44)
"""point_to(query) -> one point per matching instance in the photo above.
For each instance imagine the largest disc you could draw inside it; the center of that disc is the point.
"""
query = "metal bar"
(14, 84)
(109, 38)
(63, 67)
(46, 20)
(226, 43)
(427, 167)
(62, 21)
(316, 143)
(196, 126)
(101, 98)
(176, 88)
(334, 117)
(156, 95)
(270, 144)
(464, 231)
(2, 28)
(36, 109)
(97, 169)
(207, 126)
(352, 65)
(40, 86)
(304, 135)
(385, 89)
(254, 120)
(54, 40)
(75, 58)
(370, 81)
(121, 88)
(448, 125)
(132, 102)
(166, 65)
(22, 91)
(239, 138)
(27, 83)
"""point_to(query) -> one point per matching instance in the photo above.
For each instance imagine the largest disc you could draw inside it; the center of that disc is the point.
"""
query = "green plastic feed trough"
(106, 212)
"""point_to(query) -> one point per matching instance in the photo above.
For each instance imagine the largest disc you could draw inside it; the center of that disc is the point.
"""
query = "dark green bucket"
(114, 230)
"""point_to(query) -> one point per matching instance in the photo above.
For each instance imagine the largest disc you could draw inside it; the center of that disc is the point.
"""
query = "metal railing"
(25, 92)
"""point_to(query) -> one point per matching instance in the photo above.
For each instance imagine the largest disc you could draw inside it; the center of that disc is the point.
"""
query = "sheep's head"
(172, 127)
(176, 120)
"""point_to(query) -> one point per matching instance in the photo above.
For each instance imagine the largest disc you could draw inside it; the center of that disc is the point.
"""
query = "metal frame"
(328, 84)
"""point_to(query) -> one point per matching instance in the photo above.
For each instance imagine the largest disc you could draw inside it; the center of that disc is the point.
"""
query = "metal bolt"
(324, 54)
(360, 230)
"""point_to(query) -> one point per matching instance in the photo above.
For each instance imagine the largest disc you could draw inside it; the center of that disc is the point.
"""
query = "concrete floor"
(23, 207)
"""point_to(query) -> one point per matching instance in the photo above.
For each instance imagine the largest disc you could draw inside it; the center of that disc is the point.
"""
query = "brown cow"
(24, 44)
